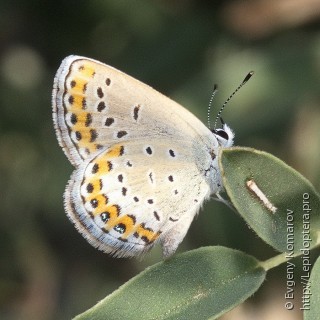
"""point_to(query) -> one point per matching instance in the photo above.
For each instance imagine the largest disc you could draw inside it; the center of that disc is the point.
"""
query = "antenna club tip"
(248, 76)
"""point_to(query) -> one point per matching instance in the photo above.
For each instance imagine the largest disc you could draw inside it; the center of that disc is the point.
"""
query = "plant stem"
(283, 257)
(277, 260)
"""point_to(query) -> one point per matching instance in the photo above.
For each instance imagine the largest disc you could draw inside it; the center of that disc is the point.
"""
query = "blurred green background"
(181, 48)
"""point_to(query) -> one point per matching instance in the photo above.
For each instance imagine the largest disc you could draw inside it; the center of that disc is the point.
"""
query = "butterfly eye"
(221, 133)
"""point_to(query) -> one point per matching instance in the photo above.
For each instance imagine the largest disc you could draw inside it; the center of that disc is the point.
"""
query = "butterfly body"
(143, 164)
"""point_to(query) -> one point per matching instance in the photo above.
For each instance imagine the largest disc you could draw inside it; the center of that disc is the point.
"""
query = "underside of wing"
(132, 195)
(96, 106)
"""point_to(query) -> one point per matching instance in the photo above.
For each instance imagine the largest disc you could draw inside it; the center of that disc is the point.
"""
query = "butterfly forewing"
(96, 106)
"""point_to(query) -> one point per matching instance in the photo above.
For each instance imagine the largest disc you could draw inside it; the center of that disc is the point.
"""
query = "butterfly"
(143, 164)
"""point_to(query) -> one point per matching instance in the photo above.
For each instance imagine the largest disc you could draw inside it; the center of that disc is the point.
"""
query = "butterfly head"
(224, 135)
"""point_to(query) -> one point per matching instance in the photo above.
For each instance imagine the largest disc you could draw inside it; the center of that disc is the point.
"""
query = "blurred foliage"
(181, 48)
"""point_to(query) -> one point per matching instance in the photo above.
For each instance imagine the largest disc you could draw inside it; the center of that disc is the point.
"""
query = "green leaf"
(289, 220)
(311, 294)
(199, 284)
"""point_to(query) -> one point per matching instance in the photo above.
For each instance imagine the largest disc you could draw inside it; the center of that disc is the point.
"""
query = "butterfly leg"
(219, 198)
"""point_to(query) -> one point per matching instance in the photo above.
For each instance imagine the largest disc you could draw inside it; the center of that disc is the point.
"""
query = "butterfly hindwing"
(132, 195)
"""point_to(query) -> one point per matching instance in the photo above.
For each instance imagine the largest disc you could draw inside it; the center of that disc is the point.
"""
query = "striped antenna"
(248, 76)
(214, 91)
